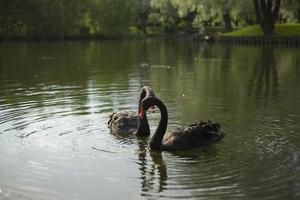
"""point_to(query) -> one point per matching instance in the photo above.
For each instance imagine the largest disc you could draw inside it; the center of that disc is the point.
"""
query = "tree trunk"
(266, 15)
(189, 18)
(298, 15)
(227, 22)
(143, 15)
(143, 23)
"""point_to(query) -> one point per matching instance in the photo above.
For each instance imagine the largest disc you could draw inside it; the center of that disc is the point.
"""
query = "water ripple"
(55, 143)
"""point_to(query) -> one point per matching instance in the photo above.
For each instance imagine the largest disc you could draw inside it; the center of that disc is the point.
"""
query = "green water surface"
(55, 98)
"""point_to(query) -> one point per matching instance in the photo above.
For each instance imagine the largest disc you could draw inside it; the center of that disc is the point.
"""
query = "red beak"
(142, 112)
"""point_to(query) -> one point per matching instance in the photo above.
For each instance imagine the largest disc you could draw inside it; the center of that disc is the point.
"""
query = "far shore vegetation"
(79, 19)
(255, 30)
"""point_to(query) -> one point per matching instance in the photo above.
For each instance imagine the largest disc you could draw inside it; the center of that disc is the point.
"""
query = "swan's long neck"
(143, 126)
(156, 139)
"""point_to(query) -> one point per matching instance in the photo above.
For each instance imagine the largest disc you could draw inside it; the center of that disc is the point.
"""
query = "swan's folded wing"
(123, 122)
(195, 135)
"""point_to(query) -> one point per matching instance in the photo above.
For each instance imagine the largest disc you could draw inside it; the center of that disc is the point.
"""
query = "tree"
(267, 14)
(44, 19)
(12, 18)
(188, 11)
(244, 13)
(291, 10)
(40, 18)
(142, 15)
(168, 14)
(222, 8)
(226, 8)
(111, 17)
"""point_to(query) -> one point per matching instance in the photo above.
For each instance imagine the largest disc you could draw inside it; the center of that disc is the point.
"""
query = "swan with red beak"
(198, 134)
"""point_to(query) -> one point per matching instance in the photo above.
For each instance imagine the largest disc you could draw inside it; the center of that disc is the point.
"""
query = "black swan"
(198, 134)
(128, 122)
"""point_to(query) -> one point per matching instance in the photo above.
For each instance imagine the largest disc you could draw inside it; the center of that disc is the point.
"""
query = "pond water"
(55, 98)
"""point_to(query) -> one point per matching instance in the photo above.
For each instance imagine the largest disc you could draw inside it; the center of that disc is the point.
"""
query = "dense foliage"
(73, 18)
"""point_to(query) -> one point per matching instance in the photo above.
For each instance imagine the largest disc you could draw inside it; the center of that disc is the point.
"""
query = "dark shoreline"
(289, 40)
(96, 37)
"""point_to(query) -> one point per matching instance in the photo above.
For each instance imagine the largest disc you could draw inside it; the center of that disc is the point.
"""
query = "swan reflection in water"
(153, 170)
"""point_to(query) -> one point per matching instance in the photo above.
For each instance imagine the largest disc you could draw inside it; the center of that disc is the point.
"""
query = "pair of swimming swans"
(198, 134)
(129, 122)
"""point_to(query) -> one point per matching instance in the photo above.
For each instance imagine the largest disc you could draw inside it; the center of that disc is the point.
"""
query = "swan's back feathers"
(123, 122)
(194, 135)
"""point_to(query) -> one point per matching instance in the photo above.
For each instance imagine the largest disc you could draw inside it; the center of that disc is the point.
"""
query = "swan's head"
(146, 92)
(148, 102)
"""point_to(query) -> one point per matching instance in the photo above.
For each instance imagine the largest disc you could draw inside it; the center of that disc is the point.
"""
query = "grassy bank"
(280, 30)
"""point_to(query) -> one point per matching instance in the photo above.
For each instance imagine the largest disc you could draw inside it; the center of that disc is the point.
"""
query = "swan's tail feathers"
(208, 129)
(208, 124)
(111, 116)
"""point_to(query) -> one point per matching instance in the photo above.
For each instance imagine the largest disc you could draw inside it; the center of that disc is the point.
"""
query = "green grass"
(155, 30)
(135, 32)
(247, 31)
(280, 30)
(214, 29)
(287, 29)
